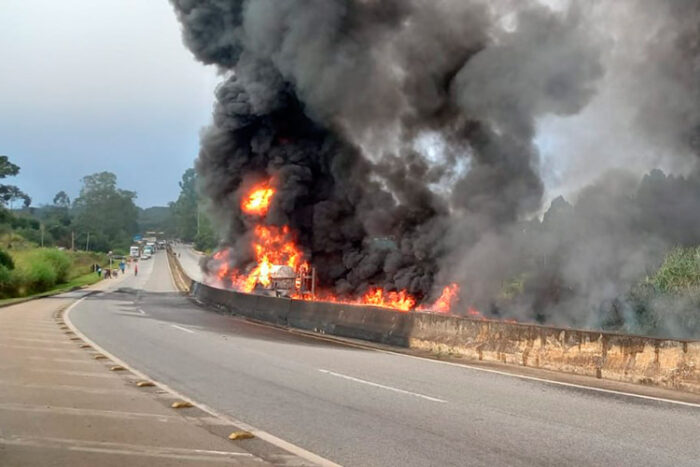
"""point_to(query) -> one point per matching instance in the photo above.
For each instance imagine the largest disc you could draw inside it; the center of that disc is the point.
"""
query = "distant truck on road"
(134, 251)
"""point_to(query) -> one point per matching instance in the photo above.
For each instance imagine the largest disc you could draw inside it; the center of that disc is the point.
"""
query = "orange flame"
(474, 313)
(444, 303)
(275, 246)
(272, 245)
(258, 201)
(400, 300)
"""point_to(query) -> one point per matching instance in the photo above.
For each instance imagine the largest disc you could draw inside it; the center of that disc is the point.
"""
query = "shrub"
(680, 271)
(668, 302)
(7, 282)
(40, 276)
(6, 260)
(59, 261)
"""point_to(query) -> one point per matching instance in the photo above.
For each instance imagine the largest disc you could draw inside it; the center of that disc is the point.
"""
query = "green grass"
(680, 272)
(81, 261)
(80, 281)
(41, 271)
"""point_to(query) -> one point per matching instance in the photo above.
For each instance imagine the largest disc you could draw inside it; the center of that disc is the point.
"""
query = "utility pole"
(42, 235)
(87, 243)
(72, 240)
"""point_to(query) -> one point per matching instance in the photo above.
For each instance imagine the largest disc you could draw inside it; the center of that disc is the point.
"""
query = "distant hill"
(156, 218)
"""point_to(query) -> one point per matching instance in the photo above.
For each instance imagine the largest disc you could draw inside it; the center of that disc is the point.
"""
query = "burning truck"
(280, 269)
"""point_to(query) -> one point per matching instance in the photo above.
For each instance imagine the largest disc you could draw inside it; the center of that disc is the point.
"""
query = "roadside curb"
(48, 294)
(64, 315)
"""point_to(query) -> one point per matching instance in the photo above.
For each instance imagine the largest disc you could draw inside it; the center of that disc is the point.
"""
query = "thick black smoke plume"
(413, 121)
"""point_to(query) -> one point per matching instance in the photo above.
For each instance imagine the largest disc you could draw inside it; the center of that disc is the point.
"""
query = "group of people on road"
(107, 273)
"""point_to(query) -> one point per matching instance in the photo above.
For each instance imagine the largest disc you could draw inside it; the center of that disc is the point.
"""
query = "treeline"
(189, 220)
(57, 244)
(102, 218)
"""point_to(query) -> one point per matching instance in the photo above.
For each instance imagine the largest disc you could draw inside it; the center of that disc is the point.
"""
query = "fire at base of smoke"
(329, 100)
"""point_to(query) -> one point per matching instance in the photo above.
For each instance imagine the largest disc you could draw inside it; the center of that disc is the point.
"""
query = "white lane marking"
(487, 370)
(198, 455)
(128, 313)
(182, 329)
(265, 436)
(377, 385)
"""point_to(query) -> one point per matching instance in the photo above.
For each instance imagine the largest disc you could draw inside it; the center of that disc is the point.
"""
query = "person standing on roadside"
(122, 266)
(136, 269)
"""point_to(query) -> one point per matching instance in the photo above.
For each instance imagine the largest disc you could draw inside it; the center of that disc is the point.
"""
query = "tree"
(185, 208)
(7, 168)
(190, 220)
(10, 193)
(156, 219)
(61, 200)
(106, 212)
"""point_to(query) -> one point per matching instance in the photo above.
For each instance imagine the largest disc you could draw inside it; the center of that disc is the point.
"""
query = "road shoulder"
(62, 401)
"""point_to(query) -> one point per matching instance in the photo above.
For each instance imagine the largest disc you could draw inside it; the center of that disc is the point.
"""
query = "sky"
(93, 85)
(87, 86)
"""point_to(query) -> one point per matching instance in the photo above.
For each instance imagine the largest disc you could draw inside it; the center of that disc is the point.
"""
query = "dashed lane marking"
(488, 370)
(182, 329)
(382, 386)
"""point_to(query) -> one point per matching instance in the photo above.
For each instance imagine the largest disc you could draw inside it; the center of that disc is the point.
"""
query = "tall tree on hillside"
(61, 199)
(106, 212)
(191, 221)
(10, 193)
(185, 208)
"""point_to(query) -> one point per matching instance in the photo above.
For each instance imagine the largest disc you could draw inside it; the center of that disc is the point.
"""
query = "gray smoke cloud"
(400, 136)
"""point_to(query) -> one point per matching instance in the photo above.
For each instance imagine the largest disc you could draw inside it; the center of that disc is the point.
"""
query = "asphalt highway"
(189, 259)
(362, 407)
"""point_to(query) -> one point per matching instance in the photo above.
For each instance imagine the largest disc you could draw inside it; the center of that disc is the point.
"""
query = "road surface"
(189, 259)
(60, 405)
(363, 407)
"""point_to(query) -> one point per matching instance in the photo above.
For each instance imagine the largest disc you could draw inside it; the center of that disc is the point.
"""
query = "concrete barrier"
(667, 363)
(181, 279)
(663, 362)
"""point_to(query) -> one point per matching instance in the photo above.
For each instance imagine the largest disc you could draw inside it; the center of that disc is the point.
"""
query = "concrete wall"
(663, 362)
